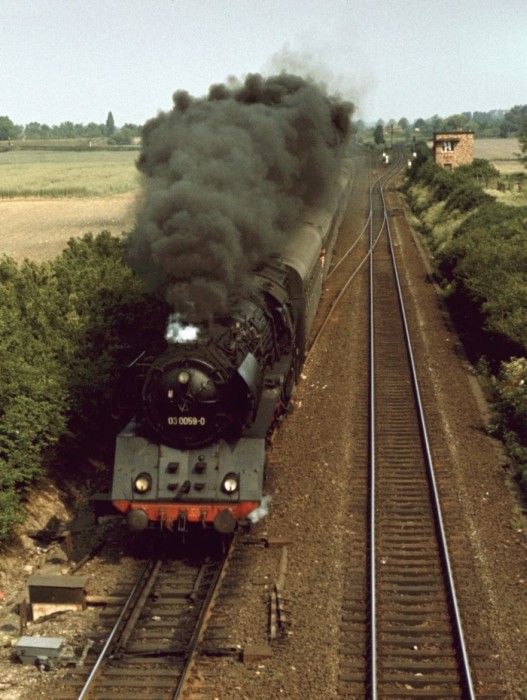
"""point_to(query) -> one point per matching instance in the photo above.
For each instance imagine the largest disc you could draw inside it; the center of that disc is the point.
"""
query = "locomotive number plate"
(186, 420)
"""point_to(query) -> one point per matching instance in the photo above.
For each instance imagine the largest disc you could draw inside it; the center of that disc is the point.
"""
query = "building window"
(446, 146)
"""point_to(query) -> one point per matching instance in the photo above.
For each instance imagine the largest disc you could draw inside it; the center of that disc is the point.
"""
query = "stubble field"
(46, 198)
(39, 229)
(502, 153)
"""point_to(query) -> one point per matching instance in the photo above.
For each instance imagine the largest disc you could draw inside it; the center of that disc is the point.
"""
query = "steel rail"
(372, 470)
(458, 626)
(384, 177)
(367, 256)
(200, 622)
(129, 603)
(377, 224)
(367, 225)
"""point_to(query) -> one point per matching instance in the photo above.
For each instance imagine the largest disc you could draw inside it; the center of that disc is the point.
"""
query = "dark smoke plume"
(226, 176)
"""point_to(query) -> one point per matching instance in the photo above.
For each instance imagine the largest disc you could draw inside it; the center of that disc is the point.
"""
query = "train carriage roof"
(302, 249)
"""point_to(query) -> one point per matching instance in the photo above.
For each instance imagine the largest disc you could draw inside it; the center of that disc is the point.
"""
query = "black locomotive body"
(195, 451)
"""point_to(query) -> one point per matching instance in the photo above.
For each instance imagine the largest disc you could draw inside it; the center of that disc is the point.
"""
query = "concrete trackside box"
(49, 594)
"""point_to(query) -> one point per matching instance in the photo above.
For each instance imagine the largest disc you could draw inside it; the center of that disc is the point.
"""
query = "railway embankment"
(479, 262)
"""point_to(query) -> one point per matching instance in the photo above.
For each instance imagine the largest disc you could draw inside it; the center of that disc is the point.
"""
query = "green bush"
(66, 328)
(510, 407)
(32, 411)
(480, 170)
(488, 258)
(466, 197)
(480, 248)
(461, 188)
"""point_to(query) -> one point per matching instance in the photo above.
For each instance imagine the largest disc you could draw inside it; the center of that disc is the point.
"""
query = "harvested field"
(38, 229)
(502, 153)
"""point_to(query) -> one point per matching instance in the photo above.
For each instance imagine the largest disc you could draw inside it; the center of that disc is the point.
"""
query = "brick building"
(453, 148)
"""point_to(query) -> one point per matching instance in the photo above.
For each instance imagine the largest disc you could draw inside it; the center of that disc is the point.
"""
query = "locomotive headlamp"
(183, 377)
(143, 483)
(230, 483)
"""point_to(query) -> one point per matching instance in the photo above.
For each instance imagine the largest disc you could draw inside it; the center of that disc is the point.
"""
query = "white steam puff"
(179, 332)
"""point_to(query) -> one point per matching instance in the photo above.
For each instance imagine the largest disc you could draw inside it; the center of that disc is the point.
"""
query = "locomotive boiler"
(204, 406)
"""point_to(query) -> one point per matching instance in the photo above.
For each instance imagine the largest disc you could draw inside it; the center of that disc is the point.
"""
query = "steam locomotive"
(204, 407)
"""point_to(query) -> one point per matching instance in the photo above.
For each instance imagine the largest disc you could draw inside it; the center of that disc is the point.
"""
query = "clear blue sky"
(76, 60)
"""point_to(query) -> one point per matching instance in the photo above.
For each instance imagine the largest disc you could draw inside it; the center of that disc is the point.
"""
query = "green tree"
(34, 401)
(110, 125)
(510, 411)
(488, 258)
(378, 134)
(33, 130)
(9, 130)
(515, 118)
(522, 138)
(45, 131)
(458, 122)
(65, 130)
(66, 328)
(404, 124)
(122, 137)
(92, 130)
(134, 129)
(360, 125)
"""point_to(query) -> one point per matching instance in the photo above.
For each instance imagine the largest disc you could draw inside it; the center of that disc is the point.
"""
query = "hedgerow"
(480, 249)
(66, 327)
(510, 412)
(486, 259)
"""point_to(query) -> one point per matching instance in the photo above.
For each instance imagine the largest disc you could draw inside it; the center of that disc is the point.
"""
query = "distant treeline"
(497, 123)
(480, 255)
(9, 131)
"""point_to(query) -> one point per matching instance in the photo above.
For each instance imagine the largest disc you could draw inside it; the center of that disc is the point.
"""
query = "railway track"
(402, 632)
(397, 636)
(154, 636)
